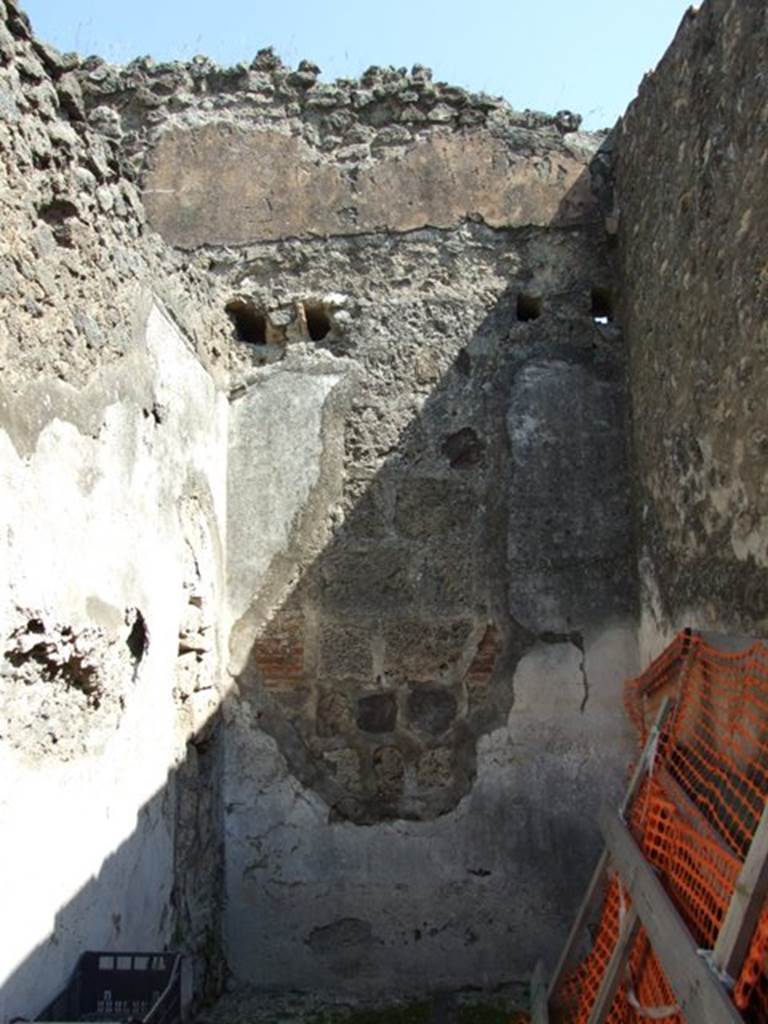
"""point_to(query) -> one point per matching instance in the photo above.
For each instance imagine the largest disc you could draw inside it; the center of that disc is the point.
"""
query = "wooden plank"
(595, 884)
(700, 996)
(614, 970)
(579, 925)
(539, 1011)
(746, 903)
(649, 751)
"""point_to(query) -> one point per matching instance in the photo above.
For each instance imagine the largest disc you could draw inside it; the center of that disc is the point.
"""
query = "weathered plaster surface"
(221, 184)
(355, 456)
(92, 535)
(409, 271)
(344, 438)
(275, 453)
(691, 189)
(466, 899)
(569, 529)
(445, 534)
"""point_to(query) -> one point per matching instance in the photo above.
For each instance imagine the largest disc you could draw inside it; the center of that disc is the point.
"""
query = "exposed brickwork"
(279, 650)
(481, 669)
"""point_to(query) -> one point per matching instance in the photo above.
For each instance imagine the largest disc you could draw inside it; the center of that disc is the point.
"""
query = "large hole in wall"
(249, 321)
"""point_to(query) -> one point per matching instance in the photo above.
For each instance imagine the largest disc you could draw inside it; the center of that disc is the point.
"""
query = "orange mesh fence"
(644, 988)
(694, 818)
(643, 695)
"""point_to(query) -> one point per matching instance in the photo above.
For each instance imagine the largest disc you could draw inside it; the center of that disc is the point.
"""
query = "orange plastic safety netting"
(644, 988)
(694, 818)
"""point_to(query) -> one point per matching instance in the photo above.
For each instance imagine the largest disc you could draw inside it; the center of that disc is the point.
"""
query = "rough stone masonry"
(319, 582)
(694, 300)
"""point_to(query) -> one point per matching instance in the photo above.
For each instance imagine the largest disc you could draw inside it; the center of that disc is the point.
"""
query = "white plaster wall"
(86, 859)
(275, 451)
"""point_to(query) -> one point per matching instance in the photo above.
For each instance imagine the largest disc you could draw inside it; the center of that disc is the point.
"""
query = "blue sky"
(548, 55)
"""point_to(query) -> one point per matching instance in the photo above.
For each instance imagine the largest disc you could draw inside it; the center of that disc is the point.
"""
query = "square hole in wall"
(601, 305)
(528, 306)
(249, 321)
(318, 320)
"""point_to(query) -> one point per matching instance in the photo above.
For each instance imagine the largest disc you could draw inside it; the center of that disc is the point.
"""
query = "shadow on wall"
(496, 520)
(473, 501)
(441, 678)
(476, 522)
(37, 979)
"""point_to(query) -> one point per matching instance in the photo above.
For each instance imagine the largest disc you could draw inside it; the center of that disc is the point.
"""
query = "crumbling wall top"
(230, 156)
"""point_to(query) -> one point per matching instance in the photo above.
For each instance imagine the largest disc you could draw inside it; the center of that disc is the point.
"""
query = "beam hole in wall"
(318, 320)
(601, 305)
(57, 215)
(528, 307)
(249, 321)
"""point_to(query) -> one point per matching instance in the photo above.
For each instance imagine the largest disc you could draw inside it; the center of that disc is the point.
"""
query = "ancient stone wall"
(112, 457)
(429, 556)
(324, 379)
(454, 480)
(692, 192)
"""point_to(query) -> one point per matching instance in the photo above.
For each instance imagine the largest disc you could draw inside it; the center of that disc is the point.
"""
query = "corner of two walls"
(417, 492)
